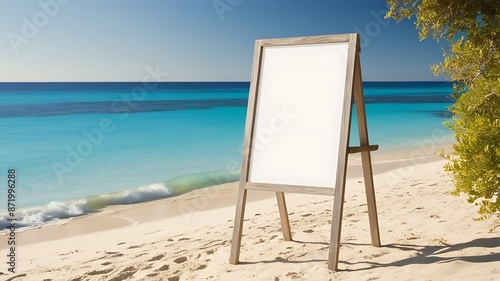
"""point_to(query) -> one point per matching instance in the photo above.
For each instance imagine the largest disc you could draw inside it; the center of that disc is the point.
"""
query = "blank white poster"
(298, 117)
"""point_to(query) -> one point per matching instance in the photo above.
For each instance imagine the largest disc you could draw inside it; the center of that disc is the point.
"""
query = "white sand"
(427, 234)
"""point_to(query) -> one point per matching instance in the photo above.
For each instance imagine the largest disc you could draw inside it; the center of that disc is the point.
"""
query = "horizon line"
(229, 81)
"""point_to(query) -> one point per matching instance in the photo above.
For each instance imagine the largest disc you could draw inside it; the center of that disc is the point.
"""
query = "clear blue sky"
(193, 40)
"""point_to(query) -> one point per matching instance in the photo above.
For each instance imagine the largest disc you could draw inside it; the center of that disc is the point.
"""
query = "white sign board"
(298, 117)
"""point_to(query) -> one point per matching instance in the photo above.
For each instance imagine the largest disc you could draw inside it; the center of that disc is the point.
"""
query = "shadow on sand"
(431, 254)
(425, 254)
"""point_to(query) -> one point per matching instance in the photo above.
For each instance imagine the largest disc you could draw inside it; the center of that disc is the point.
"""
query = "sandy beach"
(426, 234)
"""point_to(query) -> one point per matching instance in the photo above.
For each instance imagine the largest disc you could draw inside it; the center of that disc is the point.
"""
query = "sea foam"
(55, 211)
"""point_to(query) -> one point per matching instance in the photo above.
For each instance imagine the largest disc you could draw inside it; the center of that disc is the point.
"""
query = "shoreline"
(96, 204)
(124, 215)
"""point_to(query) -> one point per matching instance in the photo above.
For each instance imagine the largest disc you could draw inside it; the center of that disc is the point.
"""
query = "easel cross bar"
(362, 148)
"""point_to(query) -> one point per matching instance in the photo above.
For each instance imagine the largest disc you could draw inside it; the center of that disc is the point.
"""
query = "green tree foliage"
(472, 62)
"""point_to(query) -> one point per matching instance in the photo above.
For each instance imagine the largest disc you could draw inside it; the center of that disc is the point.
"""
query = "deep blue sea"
(77, 147)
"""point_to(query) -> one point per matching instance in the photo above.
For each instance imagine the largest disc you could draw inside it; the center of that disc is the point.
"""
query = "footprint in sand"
(180, 260)
(110, 253)
(124, 274)
(260, 241)
(155, 258)
(201, 266)
(211, 244)
(163, 268)
(99, 272)
(147, 266)
(114, 254)
(173, 278)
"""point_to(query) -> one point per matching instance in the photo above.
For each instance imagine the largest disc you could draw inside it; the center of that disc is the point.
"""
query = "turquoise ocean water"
(77, 147)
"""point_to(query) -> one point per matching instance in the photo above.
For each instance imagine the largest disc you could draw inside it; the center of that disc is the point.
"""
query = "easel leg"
(234, 257)
(285, 223)
(365, 156)
(338, 207)
(370, 198)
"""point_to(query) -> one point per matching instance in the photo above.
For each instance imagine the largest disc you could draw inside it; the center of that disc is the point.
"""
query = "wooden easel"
(353, 92)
